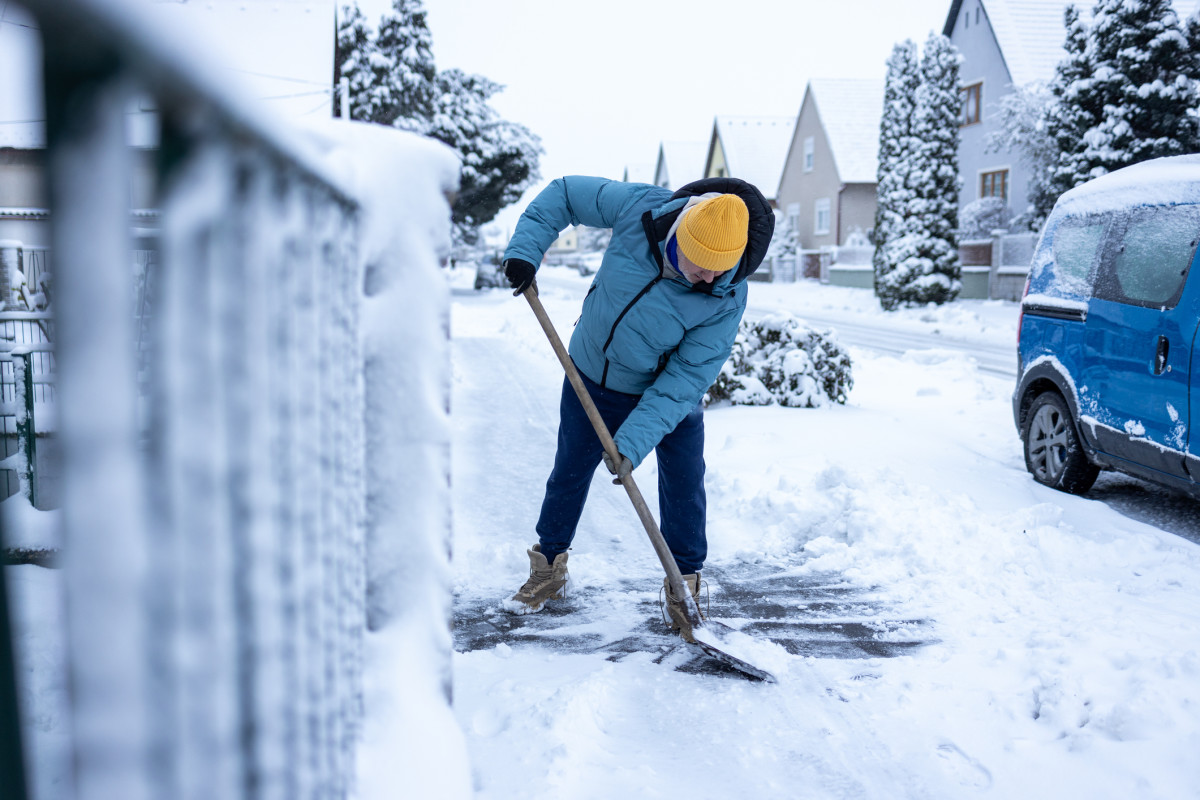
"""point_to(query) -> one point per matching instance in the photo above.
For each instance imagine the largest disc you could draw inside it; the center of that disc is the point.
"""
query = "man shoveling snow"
(658, 322)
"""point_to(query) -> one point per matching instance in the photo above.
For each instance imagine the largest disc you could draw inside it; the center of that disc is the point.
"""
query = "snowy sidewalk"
(1031, 644)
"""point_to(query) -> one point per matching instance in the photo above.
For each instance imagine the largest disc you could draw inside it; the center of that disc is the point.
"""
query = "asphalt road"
(882, 338)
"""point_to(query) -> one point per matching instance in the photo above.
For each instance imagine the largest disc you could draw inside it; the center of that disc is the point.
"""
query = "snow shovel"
(714, 638)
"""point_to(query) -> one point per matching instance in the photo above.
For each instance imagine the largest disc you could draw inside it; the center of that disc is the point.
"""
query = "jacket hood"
(758, 236)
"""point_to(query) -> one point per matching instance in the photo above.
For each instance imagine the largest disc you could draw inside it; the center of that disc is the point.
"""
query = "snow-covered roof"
(1030, 33)
(680, 163)
(1160, 181)
(22, 117)
(850, 110)
(755, 148)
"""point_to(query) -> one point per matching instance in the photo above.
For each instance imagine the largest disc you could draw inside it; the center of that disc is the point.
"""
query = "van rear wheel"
(1053, 452)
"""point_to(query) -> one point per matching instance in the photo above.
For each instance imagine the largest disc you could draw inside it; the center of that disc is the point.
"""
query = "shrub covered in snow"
(980, 217)
(781, 360)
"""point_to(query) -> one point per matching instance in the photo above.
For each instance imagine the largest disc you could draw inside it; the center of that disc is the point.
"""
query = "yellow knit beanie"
(712, 234)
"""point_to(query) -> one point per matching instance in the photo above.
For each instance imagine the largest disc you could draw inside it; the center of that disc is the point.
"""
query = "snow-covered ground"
(1062, 638)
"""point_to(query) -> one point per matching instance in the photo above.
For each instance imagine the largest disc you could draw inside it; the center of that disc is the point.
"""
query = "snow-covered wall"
(256, 508)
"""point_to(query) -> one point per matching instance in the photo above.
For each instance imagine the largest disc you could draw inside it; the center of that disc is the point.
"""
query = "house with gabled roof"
(679, 163)
(750, 148)
(1004, 44)
(827, 187)
(286, 71)
(22, 132)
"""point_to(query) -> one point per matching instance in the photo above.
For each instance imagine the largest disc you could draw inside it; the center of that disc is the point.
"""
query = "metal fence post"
(26, 429)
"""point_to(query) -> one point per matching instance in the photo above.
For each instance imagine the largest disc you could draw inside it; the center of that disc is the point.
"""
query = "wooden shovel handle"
(674, 578)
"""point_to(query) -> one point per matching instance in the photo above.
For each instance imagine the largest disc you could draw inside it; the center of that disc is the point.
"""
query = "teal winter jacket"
(642, 332)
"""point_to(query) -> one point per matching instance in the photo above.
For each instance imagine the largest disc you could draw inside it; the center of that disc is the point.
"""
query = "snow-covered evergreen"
(1126, 92)
(920, 252)
(402, 66)
(354, 41)
(498, 157)
(1076, 110)
(394, 81)
(895, 141)
(1146, 80)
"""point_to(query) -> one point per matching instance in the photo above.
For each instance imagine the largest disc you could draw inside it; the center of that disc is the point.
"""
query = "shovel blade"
(723, 643)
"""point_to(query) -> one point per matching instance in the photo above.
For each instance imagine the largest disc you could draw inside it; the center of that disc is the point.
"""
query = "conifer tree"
(403, 85)
(893, 192)
(921, 254)
(1143, 85)
(495, 153)
(354, 43)
(394, 81)
(1076, 109)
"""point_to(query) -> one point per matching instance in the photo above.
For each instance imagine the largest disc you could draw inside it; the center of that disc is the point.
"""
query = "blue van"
(1107, 377)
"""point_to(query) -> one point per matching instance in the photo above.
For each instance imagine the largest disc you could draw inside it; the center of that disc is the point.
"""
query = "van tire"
(1054, 454)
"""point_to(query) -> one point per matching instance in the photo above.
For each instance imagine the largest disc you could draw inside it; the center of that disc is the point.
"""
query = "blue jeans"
(681, 501)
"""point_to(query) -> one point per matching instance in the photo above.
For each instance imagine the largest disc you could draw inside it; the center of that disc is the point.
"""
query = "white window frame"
(809, 150)
(822, 217)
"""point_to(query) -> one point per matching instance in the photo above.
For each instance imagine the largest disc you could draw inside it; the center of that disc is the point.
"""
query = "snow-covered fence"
(26, 386)
(24, 275)
(272, 473)
(20, 385)
(995, 268)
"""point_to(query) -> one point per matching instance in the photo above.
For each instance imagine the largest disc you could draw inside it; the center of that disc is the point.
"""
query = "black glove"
(622, 470)
(520, 274)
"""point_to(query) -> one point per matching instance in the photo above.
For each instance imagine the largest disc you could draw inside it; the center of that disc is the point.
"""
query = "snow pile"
(780, 360)
(410, 738)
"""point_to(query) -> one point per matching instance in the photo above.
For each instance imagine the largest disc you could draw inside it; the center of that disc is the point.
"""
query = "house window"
(971, 103)
(821, 217)
(808, 154)
(994, 184)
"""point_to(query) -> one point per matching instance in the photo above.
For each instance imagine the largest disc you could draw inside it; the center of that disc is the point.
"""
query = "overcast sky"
(602, 83)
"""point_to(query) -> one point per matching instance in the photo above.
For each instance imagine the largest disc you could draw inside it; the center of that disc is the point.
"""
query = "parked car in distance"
(1107, 378)
(489, 274)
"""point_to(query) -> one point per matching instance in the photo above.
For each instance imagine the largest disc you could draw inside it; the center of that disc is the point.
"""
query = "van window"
(1076, 243)
(1152, 260)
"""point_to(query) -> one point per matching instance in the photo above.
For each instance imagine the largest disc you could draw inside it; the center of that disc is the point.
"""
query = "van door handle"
(1160, 356)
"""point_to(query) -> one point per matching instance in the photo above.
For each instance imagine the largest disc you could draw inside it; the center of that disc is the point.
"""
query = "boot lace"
(537, 577)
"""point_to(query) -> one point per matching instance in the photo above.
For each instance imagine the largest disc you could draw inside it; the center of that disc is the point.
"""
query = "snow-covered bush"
(980, 217)
(781, 360)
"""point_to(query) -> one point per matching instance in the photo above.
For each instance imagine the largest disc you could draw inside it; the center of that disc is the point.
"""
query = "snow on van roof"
(1158, 182)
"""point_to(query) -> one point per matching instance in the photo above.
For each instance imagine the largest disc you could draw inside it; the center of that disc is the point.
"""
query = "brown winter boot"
(545, 581)
(677, 619)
